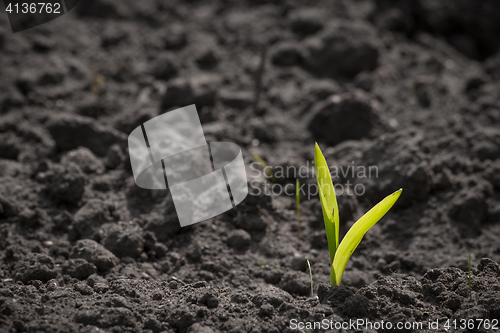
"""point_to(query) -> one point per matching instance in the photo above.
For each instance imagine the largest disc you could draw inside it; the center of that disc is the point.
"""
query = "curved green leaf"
(356, 233)
(328, 201)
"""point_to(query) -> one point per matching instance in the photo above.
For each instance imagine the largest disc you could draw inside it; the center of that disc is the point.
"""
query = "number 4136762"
(471, 324)
(34, 8)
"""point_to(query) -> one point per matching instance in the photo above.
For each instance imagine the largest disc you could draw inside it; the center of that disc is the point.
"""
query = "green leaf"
(328, 201)
(356, 233)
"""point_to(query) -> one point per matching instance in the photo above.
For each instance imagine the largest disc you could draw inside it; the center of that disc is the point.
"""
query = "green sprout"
(470, 280)
(297, 200)
(96, 81)
(340, 254)
(264, 166)
(310, 277)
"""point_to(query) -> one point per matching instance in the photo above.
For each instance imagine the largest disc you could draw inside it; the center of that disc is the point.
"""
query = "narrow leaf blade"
(264, 166)
(328, 201)
(297, 201)
(356, 233)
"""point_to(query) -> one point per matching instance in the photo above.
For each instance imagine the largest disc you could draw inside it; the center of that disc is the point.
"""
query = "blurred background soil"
(410, 87)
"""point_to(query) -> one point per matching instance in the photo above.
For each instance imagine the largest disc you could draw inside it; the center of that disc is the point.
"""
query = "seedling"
(470, 280)
(97, 81)
(258, 79)
(297, 200)
(264, 166)
(340, 254)
(310, 277)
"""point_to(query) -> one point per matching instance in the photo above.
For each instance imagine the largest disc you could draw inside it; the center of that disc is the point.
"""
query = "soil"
(410, 88)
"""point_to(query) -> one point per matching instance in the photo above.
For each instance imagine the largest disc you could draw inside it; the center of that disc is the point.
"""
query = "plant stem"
(258, 78)
(96, 81)
(311, 277)
(264, 165)
(333, 275)
(470, 280)
(297, 199)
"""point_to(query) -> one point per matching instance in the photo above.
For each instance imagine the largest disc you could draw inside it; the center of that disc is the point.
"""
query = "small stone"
(343, 48)
(66, 183)
(193, 252)
(208, 58)
(489, 267)
(266, 310)
(52, 285)
(251, 222)
(35, 266)
(197, 328)
(157, 296)
(94, 253)
(176, 37)
(71, 131)
(210, 300)
(163, 227)
(85, 159)
(118, 302)
(100, 288)
(124, 240)
(83, 289)
(238, 239)
(160, 249)
(114, 157)
(78, 268)
(165, 67)
(287, 54)
(94, 278)
(341, 118)
(47, 243)
(63, 220)
(89, 218)
(36, 283)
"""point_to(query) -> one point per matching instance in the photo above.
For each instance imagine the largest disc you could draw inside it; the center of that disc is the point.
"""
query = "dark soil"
(410, 87)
